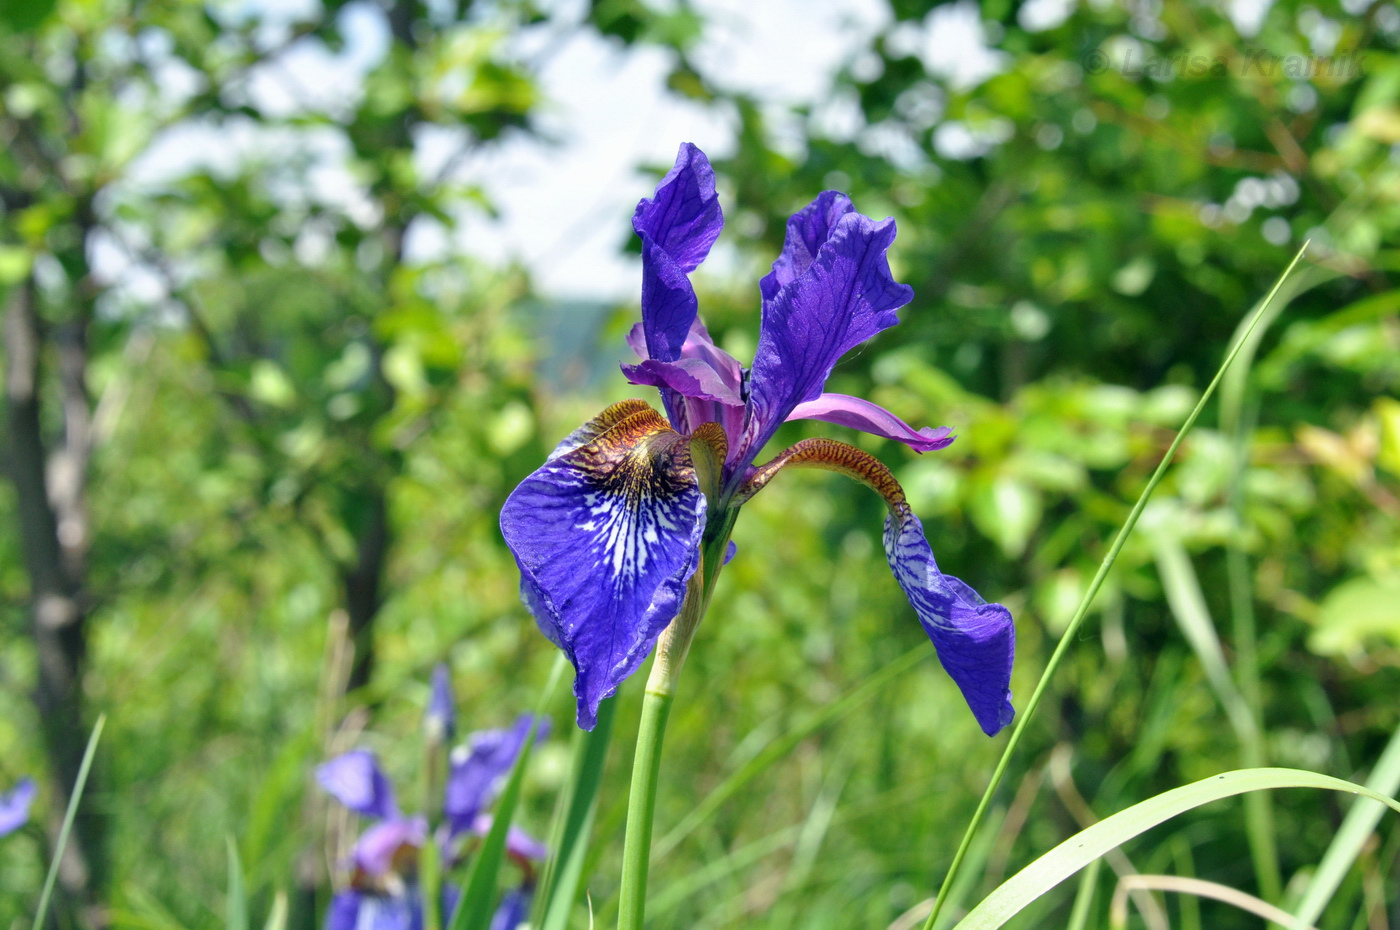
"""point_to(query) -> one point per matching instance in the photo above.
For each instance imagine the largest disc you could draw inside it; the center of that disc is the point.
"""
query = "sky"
(566, 208)
(564, 205)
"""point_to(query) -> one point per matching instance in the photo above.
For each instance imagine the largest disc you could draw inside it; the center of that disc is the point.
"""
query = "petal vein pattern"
(606, 536)
(842, 298)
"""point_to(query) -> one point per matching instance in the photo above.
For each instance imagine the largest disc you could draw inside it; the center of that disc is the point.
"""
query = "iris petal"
(976, 641)
(378, 848)
(356, 780)
(385, 912)
(606, 536)
(344, 911)
(677, 226)
(705, 385)
(14, 805)
(844, 410)
(844, 296)
(477, 769)
(520, 845)
(807, 229)
(514, 908)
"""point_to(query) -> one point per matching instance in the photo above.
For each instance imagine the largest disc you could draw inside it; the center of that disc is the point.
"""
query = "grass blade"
(1072, 630)
(479, 895)
(277, 917)
(560, 888)
(1188, 606)
(68, 815)
(1079, 850)
(1084, 898)
(1360, 821)
(236, 903)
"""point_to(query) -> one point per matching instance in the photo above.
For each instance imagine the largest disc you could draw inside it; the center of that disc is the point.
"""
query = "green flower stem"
(1072, 630)
(641, 809)
(671, 651)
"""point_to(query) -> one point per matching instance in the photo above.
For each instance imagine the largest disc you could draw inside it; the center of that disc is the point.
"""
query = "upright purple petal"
(477, 770)
(513, 909)
(440, 719)
(807, 230)
(845, 296)
(14, 805)
(976, 641)
(356, 780)
(387, 845)
(683, 217)
(844, 410)
(606, 537)
(677, 226)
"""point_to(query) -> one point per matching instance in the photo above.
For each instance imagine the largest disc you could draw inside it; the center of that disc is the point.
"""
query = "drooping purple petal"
(513, 909)
(387, 842)
(976, 641)
(14, 805)
(677, 226)
(344, 911)
(355, 780)
(807, 230)
(440, 719)
(844, 410)
(844, 297)
(477, 770)
(606, 537)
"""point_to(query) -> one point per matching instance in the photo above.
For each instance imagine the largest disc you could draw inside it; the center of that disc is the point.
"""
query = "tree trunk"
(53, 537)
(363, 583)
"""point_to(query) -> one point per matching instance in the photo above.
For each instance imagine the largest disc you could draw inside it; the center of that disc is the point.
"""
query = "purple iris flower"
(383, 892)
(14, 805)
(608, 532)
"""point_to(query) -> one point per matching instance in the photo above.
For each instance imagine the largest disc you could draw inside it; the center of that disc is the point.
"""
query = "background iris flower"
(383, 892)
(14, 805)
(609, 532)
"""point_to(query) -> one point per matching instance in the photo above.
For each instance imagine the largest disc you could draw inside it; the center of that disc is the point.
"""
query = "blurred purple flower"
(609, 530)
(383, 892)
(478, 768)
(14, 805)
